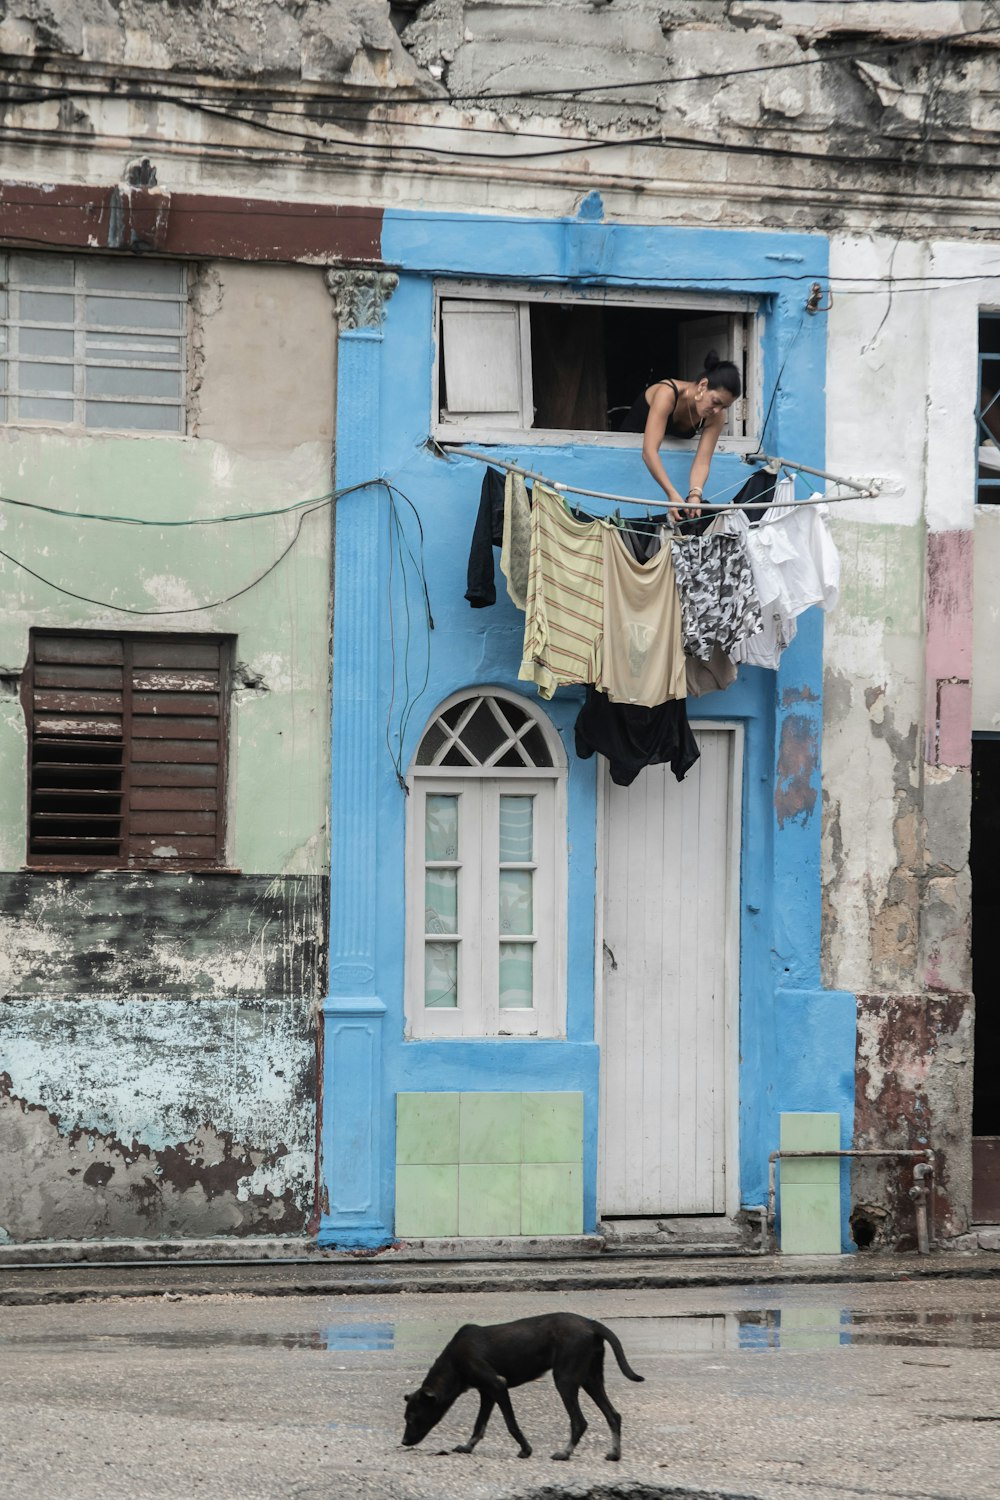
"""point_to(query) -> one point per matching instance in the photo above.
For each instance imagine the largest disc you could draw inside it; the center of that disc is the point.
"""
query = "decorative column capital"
(360, 296)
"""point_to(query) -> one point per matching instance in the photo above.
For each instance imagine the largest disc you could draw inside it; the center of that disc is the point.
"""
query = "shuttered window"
(128, 739)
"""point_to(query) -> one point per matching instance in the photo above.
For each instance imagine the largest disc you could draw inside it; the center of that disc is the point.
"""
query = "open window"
(127, 738)
(988, 411)
(486, 872)
(517, 361)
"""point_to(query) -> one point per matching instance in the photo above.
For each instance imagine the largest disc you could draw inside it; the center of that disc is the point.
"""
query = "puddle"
(753, 1331)
(831, 1327)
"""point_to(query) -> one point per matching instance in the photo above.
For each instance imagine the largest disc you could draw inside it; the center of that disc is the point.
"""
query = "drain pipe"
(920, 1193)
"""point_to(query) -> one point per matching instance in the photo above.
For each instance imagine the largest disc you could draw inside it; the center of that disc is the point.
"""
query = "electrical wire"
(571, 148)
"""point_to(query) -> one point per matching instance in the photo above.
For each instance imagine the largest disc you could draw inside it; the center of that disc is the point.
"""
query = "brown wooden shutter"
(128, 750)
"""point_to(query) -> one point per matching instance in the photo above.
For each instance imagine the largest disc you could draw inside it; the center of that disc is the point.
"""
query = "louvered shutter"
(127, 750)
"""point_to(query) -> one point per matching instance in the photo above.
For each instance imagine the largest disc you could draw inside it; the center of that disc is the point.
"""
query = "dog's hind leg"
(568, 1387)
(487, 1401)
(594, 1386)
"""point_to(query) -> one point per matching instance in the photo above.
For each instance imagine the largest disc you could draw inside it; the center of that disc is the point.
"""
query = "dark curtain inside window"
(568, 367)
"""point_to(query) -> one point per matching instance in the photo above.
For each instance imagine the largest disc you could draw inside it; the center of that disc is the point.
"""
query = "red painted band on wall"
(72, 216)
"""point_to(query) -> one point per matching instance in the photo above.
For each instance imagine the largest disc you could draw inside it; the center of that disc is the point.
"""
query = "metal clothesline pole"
(867, 491)
(575, 489)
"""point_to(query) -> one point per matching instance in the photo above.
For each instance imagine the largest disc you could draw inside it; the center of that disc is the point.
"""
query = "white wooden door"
(669, 990)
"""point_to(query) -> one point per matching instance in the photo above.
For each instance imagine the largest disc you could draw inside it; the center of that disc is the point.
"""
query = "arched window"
(486, 872)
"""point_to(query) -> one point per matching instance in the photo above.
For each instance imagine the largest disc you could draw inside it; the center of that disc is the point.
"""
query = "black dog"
(494, 1359)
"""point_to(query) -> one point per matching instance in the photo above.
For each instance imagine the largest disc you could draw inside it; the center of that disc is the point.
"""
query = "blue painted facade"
(797, 1040)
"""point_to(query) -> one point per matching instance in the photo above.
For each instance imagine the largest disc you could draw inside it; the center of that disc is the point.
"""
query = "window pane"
(132, 312)
(430, 744)
(441, 901)
(40, 409)
(47, 270)
(34, 377)
(159, 347)
(129, 414)
(483, 734)
(516, 914)
(441, 976)
(515, 976)
(54, 342)
(441, 827)
(115, 380)
(45, 307)
(516, 831)
(133, 275)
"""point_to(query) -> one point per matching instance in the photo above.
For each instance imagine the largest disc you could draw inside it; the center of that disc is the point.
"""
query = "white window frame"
(78, 289)
(460, 426)
(479, 788)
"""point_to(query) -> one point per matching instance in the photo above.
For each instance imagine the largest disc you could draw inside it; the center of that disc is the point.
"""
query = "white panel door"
(670, 983)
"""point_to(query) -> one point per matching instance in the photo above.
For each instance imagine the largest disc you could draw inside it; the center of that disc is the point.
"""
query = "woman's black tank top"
(639, 414)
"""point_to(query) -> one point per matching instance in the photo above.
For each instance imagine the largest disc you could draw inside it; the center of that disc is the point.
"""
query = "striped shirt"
(564, 613)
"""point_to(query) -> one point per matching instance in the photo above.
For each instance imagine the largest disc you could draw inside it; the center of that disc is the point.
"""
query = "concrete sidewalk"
(387, 1273)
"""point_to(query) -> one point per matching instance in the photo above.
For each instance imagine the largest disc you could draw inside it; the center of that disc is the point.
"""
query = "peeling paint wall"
(903, 669)
(158, 1036)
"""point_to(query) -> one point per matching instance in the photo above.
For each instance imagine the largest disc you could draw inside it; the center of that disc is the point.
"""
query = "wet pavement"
(822, 1391)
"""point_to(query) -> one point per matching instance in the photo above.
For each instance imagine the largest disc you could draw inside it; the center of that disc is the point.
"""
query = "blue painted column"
(353, 1014)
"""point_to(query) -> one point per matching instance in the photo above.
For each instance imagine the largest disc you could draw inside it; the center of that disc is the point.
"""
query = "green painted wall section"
(280, 721)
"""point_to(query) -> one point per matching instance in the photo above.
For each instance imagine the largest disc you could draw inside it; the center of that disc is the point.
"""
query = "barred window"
(94, 342)
(128, 750)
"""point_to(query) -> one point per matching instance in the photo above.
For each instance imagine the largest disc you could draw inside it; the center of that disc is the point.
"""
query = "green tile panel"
(489, 1164)
(809, 1187)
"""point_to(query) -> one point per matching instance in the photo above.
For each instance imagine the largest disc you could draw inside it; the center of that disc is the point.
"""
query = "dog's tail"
(619, 1352)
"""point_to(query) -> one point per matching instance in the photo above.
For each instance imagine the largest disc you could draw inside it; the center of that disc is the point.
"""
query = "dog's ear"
(409, 1395)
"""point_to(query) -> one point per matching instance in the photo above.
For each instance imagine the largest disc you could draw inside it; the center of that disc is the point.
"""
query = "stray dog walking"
(494, 1359)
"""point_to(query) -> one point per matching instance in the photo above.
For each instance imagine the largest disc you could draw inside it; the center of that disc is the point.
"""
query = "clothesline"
(575, 489)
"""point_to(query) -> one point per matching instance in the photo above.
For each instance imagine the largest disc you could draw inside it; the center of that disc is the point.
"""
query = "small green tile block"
(490, 1128)
(810, 1219)
(809, 1132)
(551, 1198)
(427, 1129)
(426, 1202)
(489, 1198)
(816, 1169)
(552, 1126)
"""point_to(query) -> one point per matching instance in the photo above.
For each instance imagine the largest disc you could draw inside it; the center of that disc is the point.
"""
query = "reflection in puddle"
(791, 1328)
(770, 1328)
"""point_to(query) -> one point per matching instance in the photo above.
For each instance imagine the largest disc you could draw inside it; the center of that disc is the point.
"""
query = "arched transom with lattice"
(485, 731)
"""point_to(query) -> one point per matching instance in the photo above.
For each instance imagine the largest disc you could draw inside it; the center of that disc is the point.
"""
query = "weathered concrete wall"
(158, 1041)
(897, 728)
(352, 42)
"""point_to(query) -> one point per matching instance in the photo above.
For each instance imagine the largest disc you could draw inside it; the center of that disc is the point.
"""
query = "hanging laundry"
(515, 549)
(806, 553)
(718, 599)
(760, 486)
(643, 537)
(712, 676)
(564, 613)
(642, 657)
(793, 545)
(486, 534)
(631, 736)
(763, 650)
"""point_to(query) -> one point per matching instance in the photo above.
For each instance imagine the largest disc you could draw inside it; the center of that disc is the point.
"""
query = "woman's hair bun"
(711, 360)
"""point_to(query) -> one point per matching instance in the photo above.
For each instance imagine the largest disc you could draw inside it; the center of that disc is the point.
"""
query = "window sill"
(517, 437)
(138, 868)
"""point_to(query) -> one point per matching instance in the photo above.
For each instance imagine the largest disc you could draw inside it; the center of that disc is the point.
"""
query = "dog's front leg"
(487, 1401)
(503, 1401)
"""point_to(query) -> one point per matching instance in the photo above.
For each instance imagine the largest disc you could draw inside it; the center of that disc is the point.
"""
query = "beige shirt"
(643, 654)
